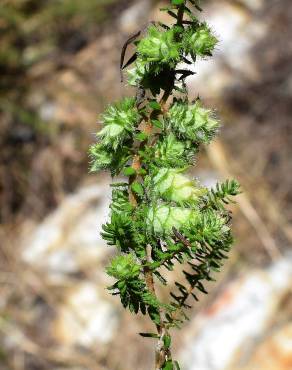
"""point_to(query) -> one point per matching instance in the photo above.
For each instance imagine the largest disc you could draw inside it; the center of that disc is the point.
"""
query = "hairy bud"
(162, 219)
(119, 121)
(193, 122)
(123, 267)
(159, 47)
(199, 41)
(172, 185)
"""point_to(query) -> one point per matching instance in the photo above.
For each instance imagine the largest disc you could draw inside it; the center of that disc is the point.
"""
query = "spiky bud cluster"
(119, 121)
(159, 47)
(160, 216)
(161, 219)
(193, 122)
(172, 185)
(200, 41)
(161, 50)
(116, 137)
(123, 267)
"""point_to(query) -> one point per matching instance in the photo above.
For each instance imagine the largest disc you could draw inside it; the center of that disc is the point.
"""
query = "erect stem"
(136, 165)
(162, 354)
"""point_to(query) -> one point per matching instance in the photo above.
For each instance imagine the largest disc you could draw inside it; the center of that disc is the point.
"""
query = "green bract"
(119, 122)
(159, 216)
(199, 41)
(124, 267)
(159, 46)
(172, 185)
(169, 149)
(172, 152)
(162, 219)
(101, 159)
(136, 74)
(193, 122)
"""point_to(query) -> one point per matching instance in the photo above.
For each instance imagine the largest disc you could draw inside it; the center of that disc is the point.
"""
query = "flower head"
(172, 185)
(162, 219)
(100, 157)
(193, 122)
(159, 46)
(123, 267)
(119, 120)
(199, 41)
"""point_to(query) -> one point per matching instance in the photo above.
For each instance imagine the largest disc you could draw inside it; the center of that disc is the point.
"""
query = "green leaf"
(154, 315)
(142, 172)
(177, 2)
(149, 335)
(154, 105)
(168, 365)
(141, 136)
(167, 341)
(137, 188)
(157, 123)
(129, 171)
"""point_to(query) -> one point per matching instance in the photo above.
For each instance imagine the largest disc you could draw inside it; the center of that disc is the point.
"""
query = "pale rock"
(47, 111)
(86, 317)
(237, 34)
(69, 239)
(240, 315)
(275, 353)
(253, 4)
(135, 16)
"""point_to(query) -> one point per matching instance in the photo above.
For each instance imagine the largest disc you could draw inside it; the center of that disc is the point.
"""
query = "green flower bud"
(123, 113)
(119, 121)
(104, 159)
(193, 122)
(211, 227)
(172, 185)
(112, 135)
(100, 157)
(136, 74)
(124, 267)
(171, 152)
(159, 46)
(161, 219)
(199, 41)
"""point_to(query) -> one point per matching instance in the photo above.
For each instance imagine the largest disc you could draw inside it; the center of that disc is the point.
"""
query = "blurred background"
(59, 68)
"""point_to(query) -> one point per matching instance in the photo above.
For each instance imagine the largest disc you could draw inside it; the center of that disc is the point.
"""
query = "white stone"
(237, 34)
(86, 318)
(240, 314)
(70, 238)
